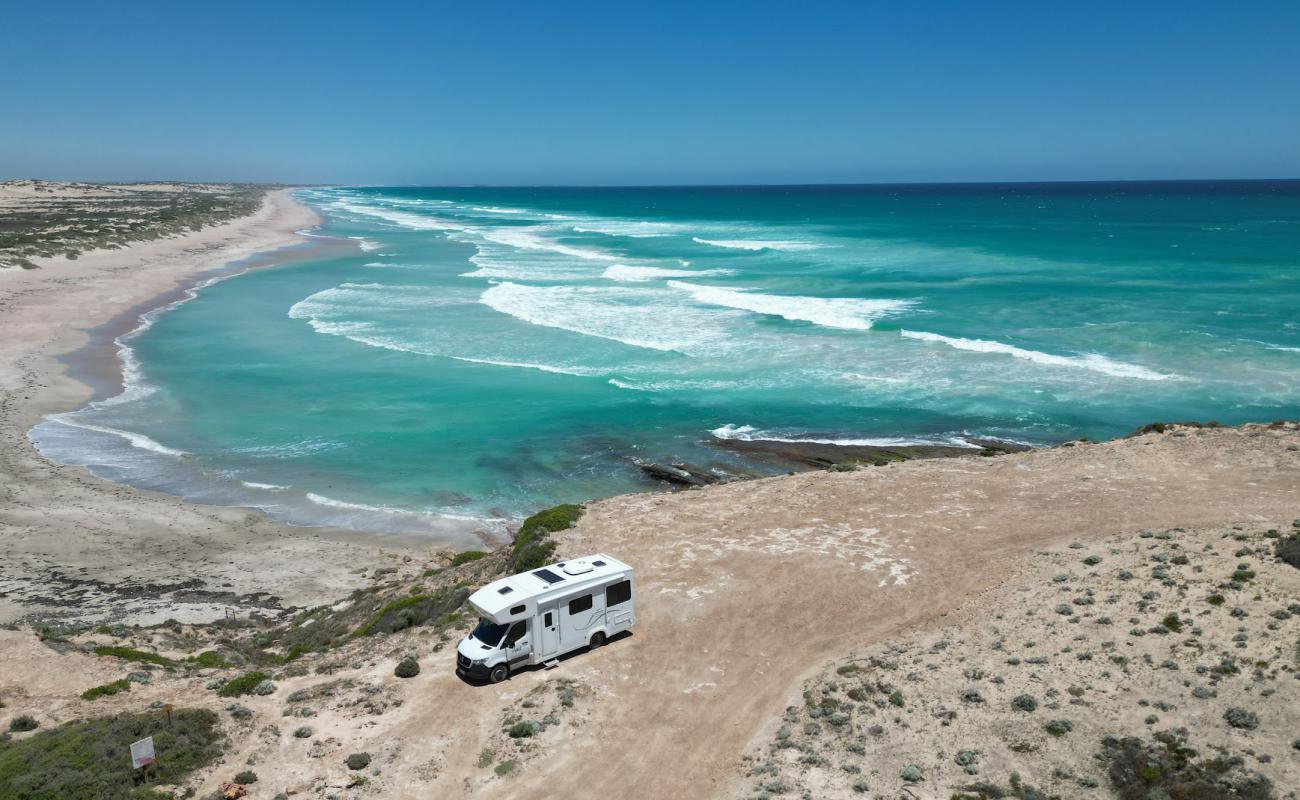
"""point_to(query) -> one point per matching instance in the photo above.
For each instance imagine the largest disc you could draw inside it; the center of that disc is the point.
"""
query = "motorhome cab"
(537, 616)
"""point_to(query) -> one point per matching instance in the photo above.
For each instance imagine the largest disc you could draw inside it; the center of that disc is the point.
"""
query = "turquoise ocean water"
(469, 355)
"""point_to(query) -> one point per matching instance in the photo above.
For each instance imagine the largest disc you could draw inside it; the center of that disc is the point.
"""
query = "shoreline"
(79, 546)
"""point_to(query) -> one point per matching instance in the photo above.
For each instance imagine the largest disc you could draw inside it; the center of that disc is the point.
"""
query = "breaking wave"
(1090, 361)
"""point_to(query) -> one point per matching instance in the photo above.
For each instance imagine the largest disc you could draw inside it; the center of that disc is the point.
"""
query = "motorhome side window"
(617, 593)
(580, 604)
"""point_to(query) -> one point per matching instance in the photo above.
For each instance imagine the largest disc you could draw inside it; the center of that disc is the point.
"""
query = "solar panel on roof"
(548, 576)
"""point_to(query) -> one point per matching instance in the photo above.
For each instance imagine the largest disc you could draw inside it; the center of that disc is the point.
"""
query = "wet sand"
(76, 546)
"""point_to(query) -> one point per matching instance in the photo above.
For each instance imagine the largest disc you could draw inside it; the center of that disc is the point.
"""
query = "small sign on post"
(142, 753)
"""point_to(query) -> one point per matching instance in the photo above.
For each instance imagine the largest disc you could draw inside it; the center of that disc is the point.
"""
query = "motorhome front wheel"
(499, 673)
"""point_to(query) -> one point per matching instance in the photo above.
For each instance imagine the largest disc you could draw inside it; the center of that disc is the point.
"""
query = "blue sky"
(648, 93)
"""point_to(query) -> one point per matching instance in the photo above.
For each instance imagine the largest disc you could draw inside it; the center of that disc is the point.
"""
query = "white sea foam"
(404, 219)
(756, 245)
(831, 312)
(137, 440)
(270, 487)
(623, 272)
(533, 239)
(366, 244)
(637, 317)
(1089, 361)
(748, 433)
(499, 210)
(580, 371)
(635, 229)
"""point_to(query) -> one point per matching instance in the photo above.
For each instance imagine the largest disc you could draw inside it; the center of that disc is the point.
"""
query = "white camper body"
(540, 615)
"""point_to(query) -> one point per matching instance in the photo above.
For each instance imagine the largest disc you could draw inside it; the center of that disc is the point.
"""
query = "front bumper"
(466, 667)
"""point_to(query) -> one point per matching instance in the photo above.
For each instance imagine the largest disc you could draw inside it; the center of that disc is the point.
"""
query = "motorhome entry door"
(549, 640)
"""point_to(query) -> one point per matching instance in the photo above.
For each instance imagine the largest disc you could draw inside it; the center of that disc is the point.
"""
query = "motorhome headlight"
(478, 662)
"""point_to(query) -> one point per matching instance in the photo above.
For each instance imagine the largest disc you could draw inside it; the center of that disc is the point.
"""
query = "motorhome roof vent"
(576, 567)
(505, 590)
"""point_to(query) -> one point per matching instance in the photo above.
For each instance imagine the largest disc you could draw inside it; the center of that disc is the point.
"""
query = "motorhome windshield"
(488, 632)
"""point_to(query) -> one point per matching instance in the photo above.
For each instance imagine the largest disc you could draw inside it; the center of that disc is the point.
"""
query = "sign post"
(142, 755)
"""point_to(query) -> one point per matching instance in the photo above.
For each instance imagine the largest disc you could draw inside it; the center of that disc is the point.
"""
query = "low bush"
(413, 610)
(407, 668)
(117, 686)
(209, 659)
(92, 758)
(244, 684)
(1167, 768)
(522, 730)
(1288, 549)
(246, 777)
(142, 656)
(467, 556)
(23, 723)
(533, 548)
(358, 761)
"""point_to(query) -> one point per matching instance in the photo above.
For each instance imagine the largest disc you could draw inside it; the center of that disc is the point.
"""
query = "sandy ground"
(74, 544)
(747, 593)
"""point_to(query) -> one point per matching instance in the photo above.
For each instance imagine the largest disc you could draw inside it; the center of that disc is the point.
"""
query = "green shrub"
(1165, 768)
(209, 659)
(1024, 702)
(413, 610)
(407, 668)
(467, 556)
(505, 768)
(142, 656)
(23, 723)
(532, 548)
(120, 685)
(244, 684)
(91, 758)
(522, 730)
(1241, 718)
(1059, 727)
(358, 761)
(1287, 549)
(246, 777)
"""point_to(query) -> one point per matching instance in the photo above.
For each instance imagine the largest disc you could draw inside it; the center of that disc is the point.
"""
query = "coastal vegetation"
(91, 758)
(43, 219)
(533, 548)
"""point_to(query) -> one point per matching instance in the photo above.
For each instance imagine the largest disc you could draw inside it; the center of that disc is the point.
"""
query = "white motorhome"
(537, 616)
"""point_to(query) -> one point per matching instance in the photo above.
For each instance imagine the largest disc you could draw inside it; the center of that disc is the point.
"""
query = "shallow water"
(485, 352)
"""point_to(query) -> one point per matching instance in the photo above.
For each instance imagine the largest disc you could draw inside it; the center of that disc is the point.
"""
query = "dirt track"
(746, 589)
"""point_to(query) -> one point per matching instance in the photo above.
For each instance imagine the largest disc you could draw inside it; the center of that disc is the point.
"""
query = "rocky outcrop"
(815, 455)
(679, 473)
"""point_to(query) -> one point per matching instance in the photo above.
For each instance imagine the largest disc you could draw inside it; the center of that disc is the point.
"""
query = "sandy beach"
(76, 546)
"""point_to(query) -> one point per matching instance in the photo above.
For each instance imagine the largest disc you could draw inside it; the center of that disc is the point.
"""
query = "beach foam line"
(831, 312)
(366, 245)
(403, 219)
(270, 487)
(756, 245)
(1089, 361)
(137, 440)
(532, 239)
(585, 372)
(633, 229)
(748, 433)
(630, 274)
